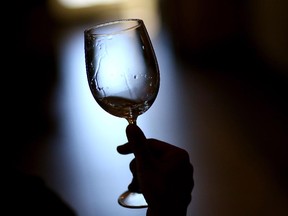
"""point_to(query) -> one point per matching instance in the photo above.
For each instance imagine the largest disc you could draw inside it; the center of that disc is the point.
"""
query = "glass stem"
(132, 120)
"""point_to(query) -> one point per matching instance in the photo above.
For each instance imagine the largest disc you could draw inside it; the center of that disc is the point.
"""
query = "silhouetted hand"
(162, 172)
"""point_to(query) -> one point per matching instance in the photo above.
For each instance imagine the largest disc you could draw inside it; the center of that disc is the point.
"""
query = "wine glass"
(123, 75)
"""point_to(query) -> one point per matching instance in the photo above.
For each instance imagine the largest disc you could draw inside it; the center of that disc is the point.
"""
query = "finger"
(134, 185)
(160, 149)
(160, 146)
(137, 140)
(124, 149)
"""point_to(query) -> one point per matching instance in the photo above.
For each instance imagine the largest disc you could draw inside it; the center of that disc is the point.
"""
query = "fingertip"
(119, 149)
(134, 133)
(124, 149)
(132, 128)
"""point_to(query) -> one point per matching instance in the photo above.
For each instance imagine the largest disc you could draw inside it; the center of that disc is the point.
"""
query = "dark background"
(226, 104)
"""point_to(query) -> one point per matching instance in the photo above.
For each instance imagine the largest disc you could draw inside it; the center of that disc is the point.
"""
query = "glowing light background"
(88, 171)
(195, 109)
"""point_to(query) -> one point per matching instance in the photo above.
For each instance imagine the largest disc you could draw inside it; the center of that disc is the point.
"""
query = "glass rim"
(93, 29)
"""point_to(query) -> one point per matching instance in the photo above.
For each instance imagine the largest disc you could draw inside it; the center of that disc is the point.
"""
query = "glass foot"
(132, 200)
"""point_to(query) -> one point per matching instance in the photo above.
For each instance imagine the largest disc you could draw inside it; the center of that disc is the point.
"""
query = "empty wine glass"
(123, 75)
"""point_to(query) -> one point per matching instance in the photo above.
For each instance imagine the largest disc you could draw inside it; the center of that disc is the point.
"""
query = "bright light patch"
(86, 3)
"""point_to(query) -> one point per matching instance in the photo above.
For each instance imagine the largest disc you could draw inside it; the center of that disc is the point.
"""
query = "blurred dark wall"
(30, 75)
(243, 42)
(229, 33)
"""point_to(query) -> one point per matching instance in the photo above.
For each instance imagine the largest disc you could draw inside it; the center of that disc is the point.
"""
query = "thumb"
(137, 140)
